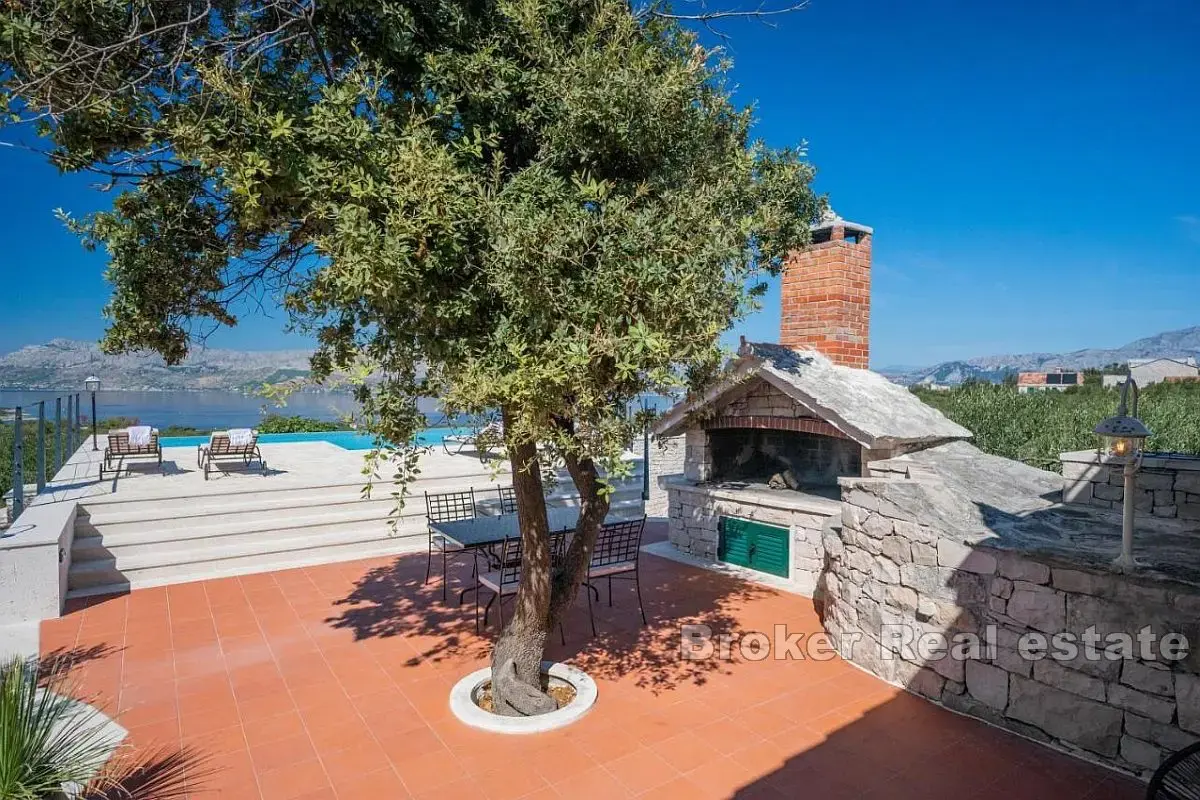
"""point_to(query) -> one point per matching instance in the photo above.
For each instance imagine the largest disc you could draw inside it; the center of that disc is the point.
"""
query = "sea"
(214, 410)
(205, 410)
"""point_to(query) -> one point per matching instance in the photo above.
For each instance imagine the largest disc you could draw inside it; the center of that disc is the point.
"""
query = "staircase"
(132, 543)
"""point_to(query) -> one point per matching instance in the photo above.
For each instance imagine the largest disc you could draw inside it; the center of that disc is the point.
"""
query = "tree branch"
(762, 11)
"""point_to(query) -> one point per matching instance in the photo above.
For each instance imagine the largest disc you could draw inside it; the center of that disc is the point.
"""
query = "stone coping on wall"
(1168, 551)
(1149, 460)
(757, 495)
(991, 501)
(1166, 487)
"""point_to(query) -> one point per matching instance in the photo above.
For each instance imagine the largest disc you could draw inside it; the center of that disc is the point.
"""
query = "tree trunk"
(544, 595)
(517, 657)
(593, 508)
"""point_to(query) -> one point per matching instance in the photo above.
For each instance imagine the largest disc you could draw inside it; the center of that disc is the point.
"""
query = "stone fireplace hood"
(863, 405)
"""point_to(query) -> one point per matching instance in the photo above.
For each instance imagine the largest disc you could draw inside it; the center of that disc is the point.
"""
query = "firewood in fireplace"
(784, 480)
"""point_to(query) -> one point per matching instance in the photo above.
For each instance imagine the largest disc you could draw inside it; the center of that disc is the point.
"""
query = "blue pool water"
(347, 440)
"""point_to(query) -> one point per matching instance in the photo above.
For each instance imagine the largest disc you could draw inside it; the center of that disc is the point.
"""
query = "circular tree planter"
(465, 694)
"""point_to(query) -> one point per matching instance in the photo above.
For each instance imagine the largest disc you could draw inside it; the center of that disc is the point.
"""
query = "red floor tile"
(332, 681)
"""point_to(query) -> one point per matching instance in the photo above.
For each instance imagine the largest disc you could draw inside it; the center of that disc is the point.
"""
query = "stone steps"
(107, 575)
(139, 542)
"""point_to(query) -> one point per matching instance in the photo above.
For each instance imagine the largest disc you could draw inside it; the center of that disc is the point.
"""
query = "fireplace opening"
(782, 459)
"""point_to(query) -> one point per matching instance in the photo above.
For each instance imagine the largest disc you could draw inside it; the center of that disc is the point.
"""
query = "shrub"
(29, 453)
(278, 423)
(183, 430)
(1037, 427)
(51, 747)
(46, 741)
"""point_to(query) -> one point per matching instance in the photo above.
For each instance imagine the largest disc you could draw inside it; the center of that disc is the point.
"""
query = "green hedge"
(29, 453)
(277, 423)
(1037, 426)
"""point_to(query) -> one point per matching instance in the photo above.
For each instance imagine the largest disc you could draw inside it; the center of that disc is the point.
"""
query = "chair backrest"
(511, 555)
(510, 560)
(508, 499)
(558, 548)
(618, 542)
(219, 445)
(118, 443)
(493, 428)
(450, 506)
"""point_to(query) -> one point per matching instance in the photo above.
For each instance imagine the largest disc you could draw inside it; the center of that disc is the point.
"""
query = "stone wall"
(762, 399)
(34, 559)
(697, 458)
(1167, 487)
(695, 513)
(666, 461)
(905, 558)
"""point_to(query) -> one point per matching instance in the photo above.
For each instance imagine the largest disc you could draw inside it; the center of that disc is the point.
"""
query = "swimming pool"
(347, 440)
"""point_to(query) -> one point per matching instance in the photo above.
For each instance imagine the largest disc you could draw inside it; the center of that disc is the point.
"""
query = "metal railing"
(66, 440)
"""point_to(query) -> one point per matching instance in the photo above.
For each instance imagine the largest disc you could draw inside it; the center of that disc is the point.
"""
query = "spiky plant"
(163, 774)
(47, 740)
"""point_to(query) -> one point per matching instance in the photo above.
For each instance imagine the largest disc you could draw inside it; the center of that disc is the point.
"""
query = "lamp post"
(92, 383)
(1124, 436)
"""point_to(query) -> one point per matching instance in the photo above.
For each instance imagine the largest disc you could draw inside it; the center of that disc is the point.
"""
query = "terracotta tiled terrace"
(332, 682)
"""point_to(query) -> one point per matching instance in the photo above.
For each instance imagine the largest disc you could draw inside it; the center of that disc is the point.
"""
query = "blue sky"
(1030, 169)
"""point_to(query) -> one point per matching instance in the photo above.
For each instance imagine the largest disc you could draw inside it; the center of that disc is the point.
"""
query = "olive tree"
(545, 207)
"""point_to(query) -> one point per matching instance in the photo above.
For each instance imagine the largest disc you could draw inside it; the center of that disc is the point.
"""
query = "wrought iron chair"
(446, 507)
(508, 499)
(504, 577)
(618, 545)
(1178, 778)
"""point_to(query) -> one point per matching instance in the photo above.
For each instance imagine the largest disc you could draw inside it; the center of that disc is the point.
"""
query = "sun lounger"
(483, 441)
(144, 444)
(241, 445)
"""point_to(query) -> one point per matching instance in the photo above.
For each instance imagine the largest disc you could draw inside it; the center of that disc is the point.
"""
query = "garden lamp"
(92, 384)
(1124, 435)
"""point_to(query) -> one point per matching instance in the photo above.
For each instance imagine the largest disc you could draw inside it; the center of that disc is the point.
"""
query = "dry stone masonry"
(666, 460)
(1168, 485)
(907, 555)
(927, 538)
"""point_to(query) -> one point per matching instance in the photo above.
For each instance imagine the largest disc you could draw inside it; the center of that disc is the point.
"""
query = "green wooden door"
(755, 545)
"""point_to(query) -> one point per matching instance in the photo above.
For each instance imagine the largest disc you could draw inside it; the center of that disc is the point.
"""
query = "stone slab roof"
(988, 500)
(863, 405)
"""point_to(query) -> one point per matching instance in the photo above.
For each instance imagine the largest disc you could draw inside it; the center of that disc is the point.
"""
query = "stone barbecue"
(766, 447)
(805, 470)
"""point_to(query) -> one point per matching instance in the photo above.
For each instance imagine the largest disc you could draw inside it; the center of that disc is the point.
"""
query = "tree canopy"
(546, 204)
(543, 206)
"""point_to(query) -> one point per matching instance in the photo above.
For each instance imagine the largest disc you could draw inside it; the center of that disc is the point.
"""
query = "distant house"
(1147, 371)
(1058, 381)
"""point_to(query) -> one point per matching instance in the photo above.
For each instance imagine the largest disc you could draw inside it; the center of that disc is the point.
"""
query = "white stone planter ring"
(462, 702)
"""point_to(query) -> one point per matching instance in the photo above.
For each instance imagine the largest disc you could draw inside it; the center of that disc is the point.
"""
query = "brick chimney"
(826, 293)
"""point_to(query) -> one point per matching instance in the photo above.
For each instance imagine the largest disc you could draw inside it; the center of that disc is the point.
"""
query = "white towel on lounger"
(139, 435)
(240, 437)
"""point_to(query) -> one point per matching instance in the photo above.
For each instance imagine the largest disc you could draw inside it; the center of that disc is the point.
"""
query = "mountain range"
(1172, 344)
(64, 364)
